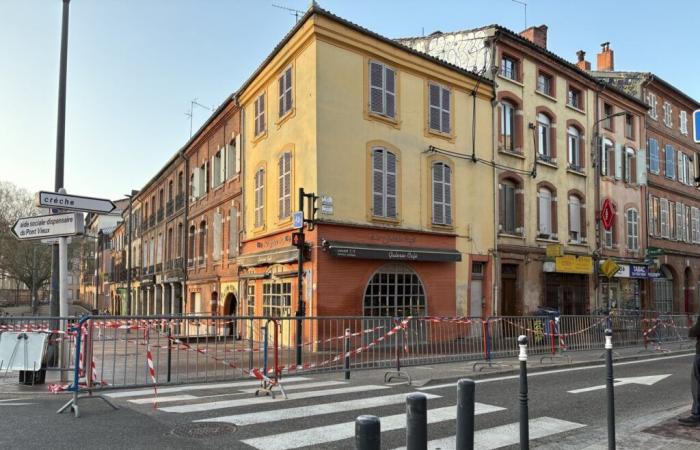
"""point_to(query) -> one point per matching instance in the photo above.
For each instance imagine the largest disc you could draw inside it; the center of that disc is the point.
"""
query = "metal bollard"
(416, 422)
(524, 419)
(367, 433)
(610, 388)
(346, 361)
(465, 414)
(170, 349)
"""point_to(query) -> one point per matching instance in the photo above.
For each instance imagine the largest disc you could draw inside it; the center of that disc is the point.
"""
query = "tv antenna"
(294, 12)
(524, 6)
(195, 102)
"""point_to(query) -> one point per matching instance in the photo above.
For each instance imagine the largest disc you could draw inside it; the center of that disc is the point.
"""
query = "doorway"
(230, 307)
(509, 298)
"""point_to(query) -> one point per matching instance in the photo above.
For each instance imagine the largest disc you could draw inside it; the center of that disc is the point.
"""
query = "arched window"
(632, 230)
(394, 291)
(442, 194)
(508, 125)
(630, 166)
(383, 183)
(510, 207)
(260, 197)
(202, 241)
(574, 145)
(544, 144)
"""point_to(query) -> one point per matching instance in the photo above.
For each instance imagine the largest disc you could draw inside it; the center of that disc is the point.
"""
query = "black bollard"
(367, 433)
(524, 419)
(609, 386)
(416, 422)
(465, 414)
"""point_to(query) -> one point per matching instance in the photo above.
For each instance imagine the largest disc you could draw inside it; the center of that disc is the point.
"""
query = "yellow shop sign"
(574, 264)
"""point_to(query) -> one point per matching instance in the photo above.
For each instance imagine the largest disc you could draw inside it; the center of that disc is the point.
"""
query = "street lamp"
(128, 251)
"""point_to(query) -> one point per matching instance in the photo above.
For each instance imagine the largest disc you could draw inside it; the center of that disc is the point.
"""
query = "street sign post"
(298, 219)
(74, 202)
(54, 225)
(696, 126)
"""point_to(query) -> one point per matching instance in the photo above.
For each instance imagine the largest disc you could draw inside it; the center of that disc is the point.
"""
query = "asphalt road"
(322, 409)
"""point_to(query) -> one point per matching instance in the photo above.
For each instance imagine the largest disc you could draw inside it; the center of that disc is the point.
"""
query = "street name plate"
(54, 225)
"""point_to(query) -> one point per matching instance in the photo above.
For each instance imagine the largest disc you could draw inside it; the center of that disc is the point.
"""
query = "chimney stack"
(536, 35)
(606, 61)
(582, 63)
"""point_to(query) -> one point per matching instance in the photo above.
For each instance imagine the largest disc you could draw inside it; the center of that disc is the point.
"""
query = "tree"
(26, 261)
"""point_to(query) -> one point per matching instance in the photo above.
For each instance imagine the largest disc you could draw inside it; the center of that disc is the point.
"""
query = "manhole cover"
(202, 430)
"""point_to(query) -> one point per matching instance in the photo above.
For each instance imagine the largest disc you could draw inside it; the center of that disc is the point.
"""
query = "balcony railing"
(179, 201)
(169, 208)
(160, 215)
(152, 221)
(177, 263)
(159, 267)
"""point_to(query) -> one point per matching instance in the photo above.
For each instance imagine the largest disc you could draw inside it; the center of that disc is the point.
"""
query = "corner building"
(383, 134)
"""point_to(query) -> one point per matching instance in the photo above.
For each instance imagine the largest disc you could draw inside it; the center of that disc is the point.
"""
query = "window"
(608, 236)
(202, 242)
(630, 166)
(508, 126)
(233, 233)
(439, 108)
(653, 147)
(574, 141)
(574, 98)
(231, 160)
(509, 68)
(607, 163)
(383, 183)
(217, 239)
(394, 291)
(668, 114)
(250, 299)
(260, 197)
(544, 150)
(632, 230)
(442, 194)
(651, 101)
(629, 126)
(180, 182)
(285, 92)
(575, 217)
(510, 199)
(260, 123)
(180, 237)
(382, 90)
(277, 299)
(607, 112)
(670, 160)
(170, 190)
(190, 249)
(217, 168)
(284, 185)
(544, 84)
(664, 218)
(695, 226)
(686, 171)
(683, 119)
(544, 197)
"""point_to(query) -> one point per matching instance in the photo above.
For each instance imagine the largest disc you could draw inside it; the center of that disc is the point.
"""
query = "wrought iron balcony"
(160, 215)
(179, 201)
(169, 208)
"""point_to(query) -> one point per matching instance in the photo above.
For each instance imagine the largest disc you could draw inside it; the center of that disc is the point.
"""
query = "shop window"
(394, 291)
(277, 299)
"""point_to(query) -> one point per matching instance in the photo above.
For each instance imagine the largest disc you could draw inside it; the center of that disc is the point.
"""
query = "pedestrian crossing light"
(298, 240)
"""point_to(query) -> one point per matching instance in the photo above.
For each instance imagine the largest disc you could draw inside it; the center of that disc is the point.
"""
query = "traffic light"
(298, 240)
(312, 199)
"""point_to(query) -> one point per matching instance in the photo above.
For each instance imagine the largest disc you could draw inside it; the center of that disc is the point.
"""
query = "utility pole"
(60, 150)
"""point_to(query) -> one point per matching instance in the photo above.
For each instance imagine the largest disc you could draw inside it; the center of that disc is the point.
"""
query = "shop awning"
(391, 253)
(276, 256)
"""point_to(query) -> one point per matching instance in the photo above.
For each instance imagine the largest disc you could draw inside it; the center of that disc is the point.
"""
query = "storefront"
(566, 284)
(625, 289)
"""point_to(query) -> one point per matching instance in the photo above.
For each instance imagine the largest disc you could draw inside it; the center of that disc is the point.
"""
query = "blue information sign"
(298, 219)
(696, 126)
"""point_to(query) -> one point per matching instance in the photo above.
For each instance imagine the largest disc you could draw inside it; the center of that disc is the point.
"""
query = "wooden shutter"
(238, 153)
(378, 182)
(553, 218)
(288, 88)
(640, 163)
(390, 92)
(545, 205)
(280, 187)
(438, 191)
(195, 183)
(216, 247)
(575, 215)
(445, 119)
(376, 87)
(583, 222)
(281, 87)
(618, 161)
(434, 107)
(681, 167)
(391, 193)
(231, 159)
(603, 158)
(448, 194)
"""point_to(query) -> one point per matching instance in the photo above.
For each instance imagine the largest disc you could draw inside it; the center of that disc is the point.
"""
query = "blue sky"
(134, 66)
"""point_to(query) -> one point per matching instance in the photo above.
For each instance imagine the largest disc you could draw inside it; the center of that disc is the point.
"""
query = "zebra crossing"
(328, 422)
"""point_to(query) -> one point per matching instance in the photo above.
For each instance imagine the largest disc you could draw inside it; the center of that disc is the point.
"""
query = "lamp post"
(597, 145)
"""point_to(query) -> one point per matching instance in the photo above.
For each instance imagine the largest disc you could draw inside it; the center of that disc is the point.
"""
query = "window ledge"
(579, 173)
(547, 240)
(260, 137)
(510, 235)
(514, 154)
(578, 244)
(442, 227)
(503, 77)
(547, 96)
(553, 165)
(385, 220)
(392, 121)
(439, 134)
(578, 110)
(286, 116)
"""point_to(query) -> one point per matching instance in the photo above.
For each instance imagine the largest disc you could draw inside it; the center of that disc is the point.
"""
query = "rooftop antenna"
(195, 102)
(294, 12)
(524, 6)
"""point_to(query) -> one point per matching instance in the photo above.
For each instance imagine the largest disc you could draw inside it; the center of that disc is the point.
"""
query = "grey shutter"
(280, 187)
(195, 183)
(448, 194)
(509, 208)
(230, 159)
(390, 92)
(681, 167)
(390, 184)
(434, 107)
(288, 89)
(281, 86)
(641, 167)
(618, 161)
(445, 110)
(216, 247)
(376, 87)
(378, 182)
(287, 195)
(438, 187)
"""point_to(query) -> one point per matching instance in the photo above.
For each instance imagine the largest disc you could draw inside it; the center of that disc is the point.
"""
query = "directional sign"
(298, 219)
(647, 381)
(68, 224)
(74, 202)
(609, 268)
(696, 126)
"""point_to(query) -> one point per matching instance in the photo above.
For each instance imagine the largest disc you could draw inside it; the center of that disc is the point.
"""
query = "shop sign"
(554, 250)
(654, 251)
(609, 268)
(368, 251)
(638, 271)
(574, 264)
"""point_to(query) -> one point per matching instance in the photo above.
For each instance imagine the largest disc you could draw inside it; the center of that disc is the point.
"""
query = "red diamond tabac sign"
(607, 214)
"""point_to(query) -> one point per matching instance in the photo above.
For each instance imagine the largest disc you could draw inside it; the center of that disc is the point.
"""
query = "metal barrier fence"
(117, 351)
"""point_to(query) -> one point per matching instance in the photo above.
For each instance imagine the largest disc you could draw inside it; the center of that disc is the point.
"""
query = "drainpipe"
(241, 210)
(494, 145)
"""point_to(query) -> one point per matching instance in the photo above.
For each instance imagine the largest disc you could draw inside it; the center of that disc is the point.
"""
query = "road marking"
(193, 387)
(549, 372)
(296, 387)
(9, 402)
(501, 436)
(199, 407)
(159, 399)
(311, 410)
(647, 381)
(337, 432)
